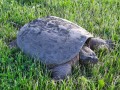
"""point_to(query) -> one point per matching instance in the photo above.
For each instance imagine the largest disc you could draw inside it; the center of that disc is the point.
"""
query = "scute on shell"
(52, 40)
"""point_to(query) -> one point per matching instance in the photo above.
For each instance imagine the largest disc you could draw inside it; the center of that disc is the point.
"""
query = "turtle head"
(87, 56)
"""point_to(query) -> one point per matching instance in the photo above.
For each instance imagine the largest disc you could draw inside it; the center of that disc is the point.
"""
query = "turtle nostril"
(95, 60)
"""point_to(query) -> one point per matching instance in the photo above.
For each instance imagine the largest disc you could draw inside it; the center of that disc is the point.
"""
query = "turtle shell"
(52, 40)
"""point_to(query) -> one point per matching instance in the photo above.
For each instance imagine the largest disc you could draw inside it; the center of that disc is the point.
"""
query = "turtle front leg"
(98, 43)
(61, 71)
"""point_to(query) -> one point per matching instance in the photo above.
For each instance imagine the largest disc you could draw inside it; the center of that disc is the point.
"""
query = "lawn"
(20, 72)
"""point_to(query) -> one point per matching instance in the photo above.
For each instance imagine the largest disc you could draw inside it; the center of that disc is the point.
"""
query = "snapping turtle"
(59, 44)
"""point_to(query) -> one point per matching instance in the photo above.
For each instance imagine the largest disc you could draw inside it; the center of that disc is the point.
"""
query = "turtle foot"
(98, 44)
(61, 71)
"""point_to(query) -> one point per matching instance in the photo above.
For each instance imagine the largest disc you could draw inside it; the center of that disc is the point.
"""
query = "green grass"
(19, 72)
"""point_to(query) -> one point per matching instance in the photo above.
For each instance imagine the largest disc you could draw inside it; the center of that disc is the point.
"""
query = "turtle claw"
(110, 44)
(13, 44)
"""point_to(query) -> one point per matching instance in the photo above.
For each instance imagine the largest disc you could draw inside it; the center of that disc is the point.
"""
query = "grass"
(19, 72)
